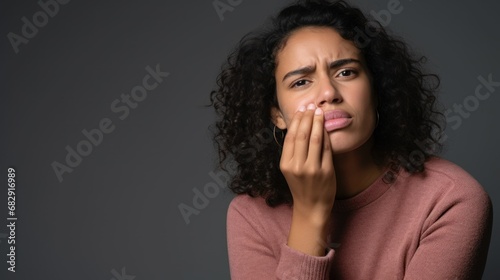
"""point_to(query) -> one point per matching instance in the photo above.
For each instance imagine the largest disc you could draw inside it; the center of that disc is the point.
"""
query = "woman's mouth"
(336, 119)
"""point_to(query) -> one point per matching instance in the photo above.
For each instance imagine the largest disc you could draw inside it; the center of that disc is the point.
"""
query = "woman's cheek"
(290, 112)
(289, 117)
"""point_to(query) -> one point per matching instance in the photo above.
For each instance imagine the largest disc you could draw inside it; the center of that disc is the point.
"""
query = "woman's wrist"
(316, 216)
(308, 232)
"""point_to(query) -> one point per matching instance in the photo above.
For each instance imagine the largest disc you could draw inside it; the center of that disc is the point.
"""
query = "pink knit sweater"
(435, 226)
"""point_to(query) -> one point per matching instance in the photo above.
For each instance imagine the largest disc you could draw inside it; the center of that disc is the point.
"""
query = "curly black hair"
(408, 130)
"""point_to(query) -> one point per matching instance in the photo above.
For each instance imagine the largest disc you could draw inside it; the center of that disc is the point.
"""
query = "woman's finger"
(316, 139)
(302, 136)
(327, 155)
(289, 142)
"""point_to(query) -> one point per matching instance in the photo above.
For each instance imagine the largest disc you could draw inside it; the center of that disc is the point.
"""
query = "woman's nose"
(328, 93)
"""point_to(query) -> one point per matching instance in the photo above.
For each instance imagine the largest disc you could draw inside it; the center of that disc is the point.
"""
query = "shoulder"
(256, 208)
(253, 212)
(445, 187)
(247, 204)
(448, 177)
(447, 168)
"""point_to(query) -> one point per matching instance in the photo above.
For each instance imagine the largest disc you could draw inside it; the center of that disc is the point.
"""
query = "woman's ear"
(277, 118)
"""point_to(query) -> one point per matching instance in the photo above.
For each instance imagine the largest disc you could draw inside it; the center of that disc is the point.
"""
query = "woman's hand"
(307, 164)
(306, 161)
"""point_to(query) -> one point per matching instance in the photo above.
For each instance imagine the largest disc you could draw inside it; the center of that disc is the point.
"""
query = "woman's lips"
(336, 119)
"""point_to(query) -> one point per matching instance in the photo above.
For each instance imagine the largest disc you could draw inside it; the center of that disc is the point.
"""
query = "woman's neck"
(355, 171)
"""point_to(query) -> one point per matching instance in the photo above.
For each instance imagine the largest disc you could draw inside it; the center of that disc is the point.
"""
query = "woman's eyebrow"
(342, 62)
(300, 71)
(310, 69)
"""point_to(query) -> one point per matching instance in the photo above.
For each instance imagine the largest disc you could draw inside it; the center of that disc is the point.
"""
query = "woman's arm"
(455, 238)
(250, 255)
(307, 165)
(252, 247)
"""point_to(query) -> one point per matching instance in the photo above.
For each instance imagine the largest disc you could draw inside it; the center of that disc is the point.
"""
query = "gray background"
(119, 207)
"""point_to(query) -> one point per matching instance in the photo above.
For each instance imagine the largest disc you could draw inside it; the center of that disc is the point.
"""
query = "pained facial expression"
(316, 65)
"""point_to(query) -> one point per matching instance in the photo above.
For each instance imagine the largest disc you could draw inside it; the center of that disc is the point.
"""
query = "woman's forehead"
(309, 45)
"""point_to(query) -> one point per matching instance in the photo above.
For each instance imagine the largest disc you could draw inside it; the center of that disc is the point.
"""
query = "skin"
(318, 71)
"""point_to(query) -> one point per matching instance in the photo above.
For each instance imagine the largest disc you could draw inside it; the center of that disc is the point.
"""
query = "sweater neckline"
(367, 196)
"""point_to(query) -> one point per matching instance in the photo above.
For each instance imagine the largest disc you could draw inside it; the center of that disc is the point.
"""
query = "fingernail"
(318, 112)
(311, 107)
(302, 108)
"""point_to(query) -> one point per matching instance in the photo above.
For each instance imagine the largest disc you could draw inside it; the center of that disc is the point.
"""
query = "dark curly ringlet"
(246, 91)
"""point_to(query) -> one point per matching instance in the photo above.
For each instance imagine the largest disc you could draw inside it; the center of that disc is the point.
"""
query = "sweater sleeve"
(455, 237)
(251, 254)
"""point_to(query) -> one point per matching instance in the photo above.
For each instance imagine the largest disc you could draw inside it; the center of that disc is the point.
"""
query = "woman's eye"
(346, 73)
(300, 83)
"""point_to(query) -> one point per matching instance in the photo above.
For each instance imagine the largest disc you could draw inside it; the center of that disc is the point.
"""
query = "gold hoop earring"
(276, 140)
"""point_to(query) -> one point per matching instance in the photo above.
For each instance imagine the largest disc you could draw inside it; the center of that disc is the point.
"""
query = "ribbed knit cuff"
(295, 265)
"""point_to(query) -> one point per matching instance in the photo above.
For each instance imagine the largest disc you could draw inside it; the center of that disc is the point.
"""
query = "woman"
(352, 188)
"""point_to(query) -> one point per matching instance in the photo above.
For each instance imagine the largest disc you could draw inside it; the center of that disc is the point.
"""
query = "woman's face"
(318, 66)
